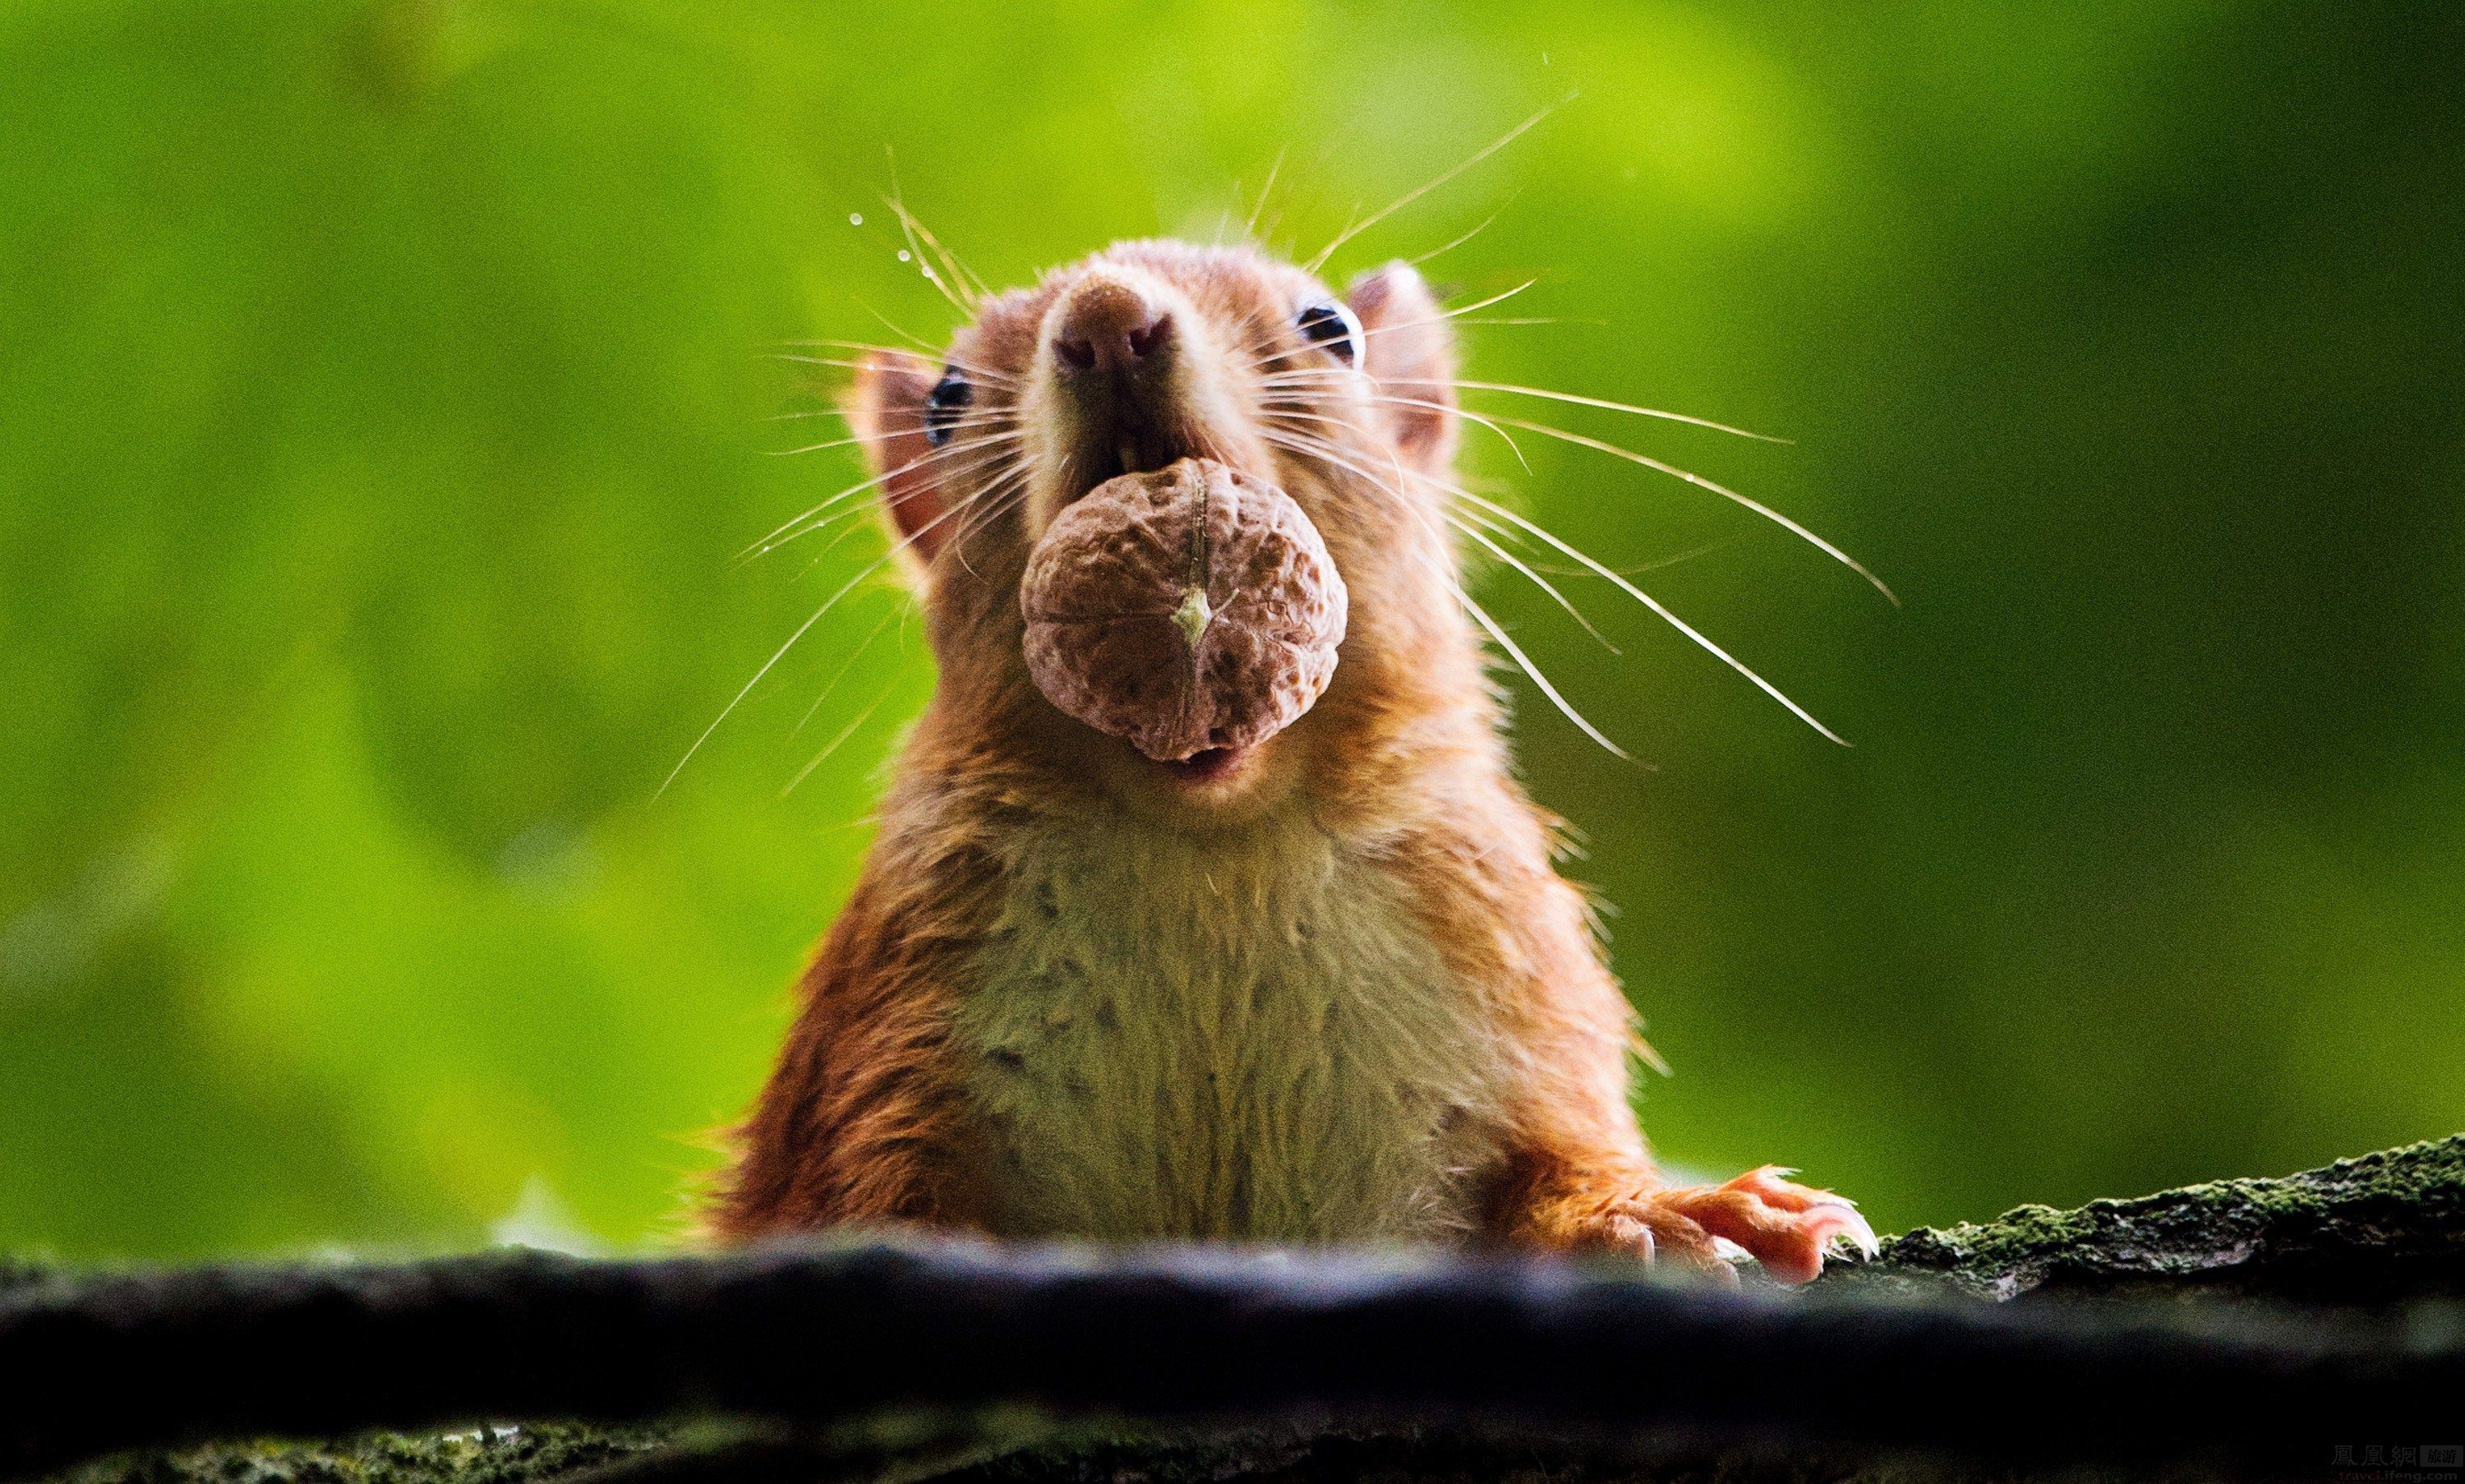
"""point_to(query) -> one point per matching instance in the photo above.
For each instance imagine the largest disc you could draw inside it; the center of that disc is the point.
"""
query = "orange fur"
(1401, 767)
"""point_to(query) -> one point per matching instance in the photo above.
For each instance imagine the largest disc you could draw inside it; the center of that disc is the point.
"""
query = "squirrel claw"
(1787, 1228)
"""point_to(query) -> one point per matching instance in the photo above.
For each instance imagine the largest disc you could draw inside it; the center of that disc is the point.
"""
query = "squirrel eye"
(950, 397)
(1331, 325)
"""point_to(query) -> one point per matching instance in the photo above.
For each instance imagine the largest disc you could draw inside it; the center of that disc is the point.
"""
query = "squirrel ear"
(885, 407)
(1409, 349)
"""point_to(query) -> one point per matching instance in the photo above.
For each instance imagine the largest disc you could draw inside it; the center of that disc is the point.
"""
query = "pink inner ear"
(913, 494)
(888, 407)
(1410, 352)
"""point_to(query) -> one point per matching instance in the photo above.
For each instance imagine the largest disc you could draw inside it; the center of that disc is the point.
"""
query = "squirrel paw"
(1786, 1227)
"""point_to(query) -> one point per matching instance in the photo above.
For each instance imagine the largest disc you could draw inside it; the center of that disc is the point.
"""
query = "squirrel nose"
(1108, 326)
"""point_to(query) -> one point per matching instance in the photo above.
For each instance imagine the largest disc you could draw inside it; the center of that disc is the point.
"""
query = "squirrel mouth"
(1132, 445)
(1211, 764)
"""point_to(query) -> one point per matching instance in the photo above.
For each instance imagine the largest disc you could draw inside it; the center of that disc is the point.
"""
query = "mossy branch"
(816, 1337)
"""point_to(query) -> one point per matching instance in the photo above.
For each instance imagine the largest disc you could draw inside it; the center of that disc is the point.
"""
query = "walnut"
(1183, 609)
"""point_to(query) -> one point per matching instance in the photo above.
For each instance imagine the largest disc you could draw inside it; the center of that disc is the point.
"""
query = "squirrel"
(1307, 983)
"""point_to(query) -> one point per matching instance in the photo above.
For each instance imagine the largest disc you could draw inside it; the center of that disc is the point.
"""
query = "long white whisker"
(1478, 305)
(1440, 251)
(1303, 443)
(1565, 707)
(925, 347)
(793, 528)
(1606, 405)
(1747, 502)
(1626, 586)
(1723, 491)
(1641, 568)
(1273, 352)
(1322, 448)
(1282, 407)
(957, 425)
(911, 229)
(1017, 484)
(845, 365)
(812, 518)
(849, 520)
(846, 666)
(1417, 192)
(803, 628)
(1250, 227)
(1659, 607)
(971, 282)
(836, 743)
(982, 373)
(1471, 527)
(814, 448)
(1490, 626)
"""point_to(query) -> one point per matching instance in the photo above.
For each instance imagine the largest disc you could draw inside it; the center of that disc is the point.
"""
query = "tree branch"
(814, 1338)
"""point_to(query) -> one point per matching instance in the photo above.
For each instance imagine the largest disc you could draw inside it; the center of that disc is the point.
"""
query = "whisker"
(846, 666)
(1250, 227)
(1525, 320)
(1478, 305)
(850, 522)
(1580, 400)
(982, 373)
(1523, 661)
(960, 295)
(853, 515)
(1439, 318)
(796, 526)
(1481, 616)
(1282, 407)
(844, 364)
(1309, 444)
(812, 448)
(926, 348)
(1441, 251)
(1641, 568)
(1723, 491)
(805, 628)
(836, 743)
(1018, 478)
(1472, 529)
(971, 420)
(1626, 586)
(1417, 192)
(1785, 522)
(1659, 607)
(965, 421)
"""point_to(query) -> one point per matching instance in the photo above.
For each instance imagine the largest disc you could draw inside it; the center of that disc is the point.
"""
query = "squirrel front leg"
(1574, 1175)
(863, 1122)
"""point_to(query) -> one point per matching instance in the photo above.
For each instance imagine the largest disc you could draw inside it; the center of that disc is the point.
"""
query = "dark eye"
(1331, 325)
(950, 397)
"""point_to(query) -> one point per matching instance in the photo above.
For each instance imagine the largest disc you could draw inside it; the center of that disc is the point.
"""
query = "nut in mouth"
(1190, 610)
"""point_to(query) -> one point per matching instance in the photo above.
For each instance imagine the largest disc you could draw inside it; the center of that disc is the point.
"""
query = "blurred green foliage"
(385, 392)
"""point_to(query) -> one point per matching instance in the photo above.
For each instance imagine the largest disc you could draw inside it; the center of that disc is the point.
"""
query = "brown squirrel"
(1321, 985)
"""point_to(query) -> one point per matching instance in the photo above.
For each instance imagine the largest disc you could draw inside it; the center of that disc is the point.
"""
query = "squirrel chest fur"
(1169, 1037)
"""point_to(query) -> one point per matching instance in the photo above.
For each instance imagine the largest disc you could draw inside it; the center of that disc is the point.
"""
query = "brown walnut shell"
(1183, 609)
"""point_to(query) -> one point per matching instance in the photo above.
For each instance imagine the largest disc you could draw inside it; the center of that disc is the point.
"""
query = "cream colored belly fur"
(1170, 1040)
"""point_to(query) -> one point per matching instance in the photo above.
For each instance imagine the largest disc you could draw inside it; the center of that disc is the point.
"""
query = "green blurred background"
(383, 394)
